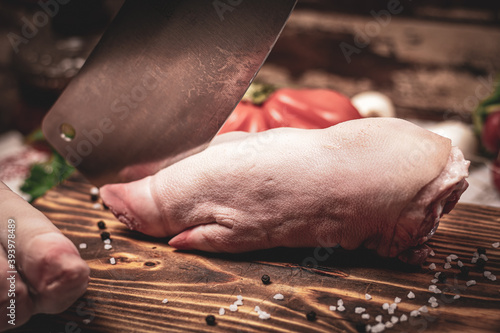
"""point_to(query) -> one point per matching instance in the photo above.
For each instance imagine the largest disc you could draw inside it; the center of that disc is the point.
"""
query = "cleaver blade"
(161, 83)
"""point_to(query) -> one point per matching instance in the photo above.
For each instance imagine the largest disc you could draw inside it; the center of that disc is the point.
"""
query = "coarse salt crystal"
(365, 316)
(239, 297)
(432, 254)
(432, 287)
(434, 281)
(380, 327)
(96, 206)
(388, 324)
(484, 257)
(473, 260)
(233, 307)
(378, 318)
(107, 241)
(486, 273)
(108, 246)
(368, 328)
(423, 309)
(385, 306)
(368, 297)
(394, 319)
(279, 297)
(340, 302)
(165, 301)
(453, 256)
(94, 191)
(359, 310)
(403, 318)
(432, 299)
(447, 265)
(264, 315)
(397, 300)
(410, 295)
(470, 283)
(438, 291)
(460, 263)
(112, 261)
(496, 244)
(434, 304)
(390, 311)
(257, 308)
(86, 321)
(448, 259)
(82, 246)
(340, 308)
(238, 302)
(437, 274)
(333, 308)
(432, 266)
(456, 296)
(475, 255)
(222, 312)
(492, 277)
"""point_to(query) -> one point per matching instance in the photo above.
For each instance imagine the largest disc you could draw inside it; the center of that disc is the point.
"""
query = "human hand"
(41, 270)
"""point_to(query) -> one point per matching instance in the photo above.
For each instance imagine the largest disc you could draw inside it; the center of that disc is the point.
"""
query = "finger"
(15, 302)
(49, 262)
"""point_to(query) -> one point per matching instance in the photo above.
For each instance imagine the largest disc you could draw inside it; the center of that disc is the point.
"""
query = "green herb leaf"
(487, 106)
(44, 176)
(258, 93)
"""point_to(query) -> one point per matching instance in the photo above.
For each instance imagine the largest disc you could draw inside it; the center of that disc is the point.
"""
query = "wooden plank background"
(436, 59)
(127, 297)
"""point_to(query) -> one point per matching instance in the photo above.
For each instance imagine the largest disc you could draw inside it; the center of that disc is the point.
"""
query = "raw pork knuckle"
(382, 183)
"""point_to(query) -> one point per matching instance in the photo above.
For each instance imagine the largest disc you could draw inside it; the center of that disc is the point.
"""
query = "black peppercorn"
(210, 319)
(481, 250)
(101, 225)
(360, 327)
(442, 278)
(311, 316)
(464, 272)
(266, 279)
(480, 263)
(104, 206)
(105, 235)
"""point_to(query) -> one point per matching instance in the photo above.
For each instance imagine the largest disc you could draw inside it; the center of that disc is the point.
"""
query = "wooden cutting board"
(127, 297)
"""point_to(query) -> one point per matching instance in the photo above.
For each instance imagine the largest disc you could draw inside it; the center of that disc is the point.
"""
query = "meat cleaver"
(160, 84)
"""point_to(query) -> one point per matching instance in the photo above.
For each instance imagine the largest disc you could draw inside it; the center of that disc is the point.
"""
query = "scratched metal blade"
(161, 83)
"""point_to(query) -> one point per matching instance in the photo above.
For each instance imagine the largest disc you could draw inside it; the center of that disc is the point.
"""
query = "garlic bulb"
(373, 104)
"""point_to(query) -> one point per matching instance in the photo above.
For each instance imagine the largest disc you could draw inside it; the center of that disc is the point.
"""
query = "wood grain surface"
(127, 297)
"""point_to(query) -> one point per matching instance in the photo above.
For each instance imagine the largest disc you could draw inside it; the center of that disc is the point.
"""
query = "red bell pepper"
(299, 108)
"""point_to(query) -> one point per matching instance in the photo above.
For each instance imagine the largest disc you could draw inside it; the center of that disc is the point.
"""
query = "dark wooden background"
(436, 59)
